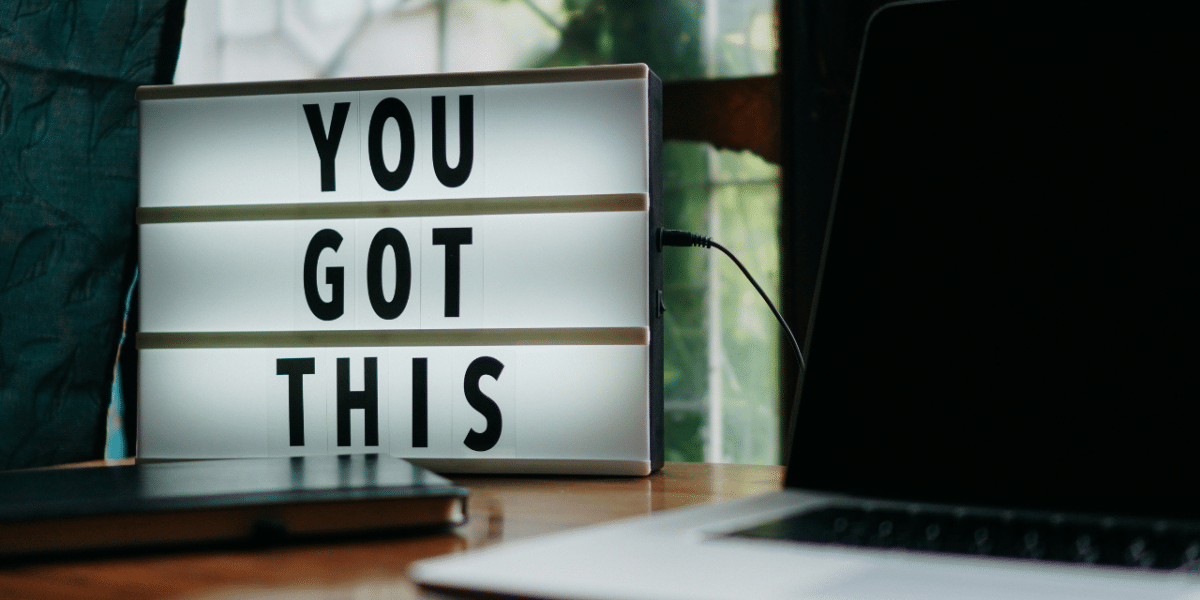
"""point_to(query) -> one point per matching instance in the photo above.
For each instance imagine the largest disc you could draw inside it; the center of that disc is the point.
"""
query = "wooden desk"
(501, 509)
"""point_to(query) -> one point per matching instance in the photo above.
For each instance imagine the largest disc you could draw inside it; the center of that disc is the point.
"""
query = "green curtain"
(68, 189)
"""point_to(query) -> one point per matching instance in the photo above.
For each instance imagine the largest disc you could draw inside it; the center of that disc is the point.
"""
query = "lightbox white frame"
(158, 210)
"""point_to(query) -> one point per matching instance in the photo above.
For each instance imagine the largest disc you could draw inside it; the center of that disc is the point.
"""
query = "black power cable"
(673, 237)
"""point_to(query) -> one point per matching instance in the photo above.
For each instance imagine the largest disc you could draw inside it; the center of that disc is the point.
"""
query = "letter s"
(484, 365)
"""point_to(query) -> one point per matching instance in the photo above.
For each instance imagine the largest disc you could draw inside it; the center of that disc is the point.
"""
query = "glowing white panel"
(543, 156)
(358, 400)
(583, 402)
(483, 420)
(571, 270)
(297, 367)
(518, 271)
(495, 402)
(264, 149)
(203, 403)
(395, 302)
(332, 119)
(452, 268)
(423, 429)
(452, 272)
(234, 276)
(324, 295)
(389, 109)
(204, 151)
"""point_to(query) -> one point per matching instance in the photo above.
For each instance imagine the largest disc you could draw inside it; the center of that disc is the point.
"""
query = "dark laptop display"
(1008, 307)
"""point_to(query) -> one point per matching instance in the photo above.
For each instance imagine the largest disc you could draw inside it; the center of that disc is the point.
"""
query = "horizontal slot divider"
(593, 336)
(394, 82)
(395, 208)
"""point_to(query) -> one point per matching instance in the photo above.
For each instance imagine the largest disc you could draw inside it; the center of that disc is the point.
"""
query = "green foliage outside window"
(733, 197)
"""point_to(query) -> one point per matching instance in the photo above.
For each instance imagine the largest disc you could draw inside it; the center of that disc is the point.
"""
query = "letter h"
(367, 399)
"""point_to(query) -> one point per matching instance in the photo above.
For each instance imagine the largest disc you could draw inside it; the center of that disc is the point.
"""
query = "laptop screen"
(1007, 313)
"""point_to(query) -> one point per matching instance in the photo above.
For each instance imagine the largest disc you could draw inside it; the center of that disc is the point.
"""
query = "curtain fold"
(68, 189)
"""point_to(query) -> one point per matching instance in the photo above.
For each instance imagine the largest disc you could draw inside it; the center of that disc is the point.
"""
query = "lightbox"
(456, 269)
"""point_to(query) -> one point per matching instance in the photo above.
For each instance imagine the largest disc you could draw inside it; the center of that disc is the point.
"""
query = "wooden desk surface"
(501, 509)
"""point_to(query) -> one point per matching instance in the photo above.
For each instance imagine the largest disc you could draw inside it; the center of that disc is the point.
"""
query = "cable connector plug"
(674, 237)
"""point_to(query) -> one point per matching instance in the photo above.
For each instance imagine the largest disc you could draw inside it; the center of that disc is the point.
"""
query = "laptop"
(1000, 399)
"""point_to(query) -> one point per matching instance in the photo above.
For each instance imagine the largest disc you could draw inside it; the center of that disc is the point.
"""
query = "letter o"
(390, 108)
(392, 238)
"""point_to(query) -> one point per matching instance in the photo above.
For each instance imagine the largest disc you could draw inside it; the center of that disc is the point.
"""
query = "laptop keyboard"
(1048, 539)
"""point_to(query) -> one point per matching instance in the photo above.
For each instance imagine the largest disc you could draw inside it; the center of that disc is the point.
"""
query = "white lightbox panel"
(208, 151)
(501, 368)
(367, 231)
(573, 269)
(357, 359)
(250, 149)
(442, 384)
(555, 402)
(204, 403)
(315, 440)
(230, 276)
(347, 158)
(232, 200)
(438, 310)
(542, 156)
(520, 271)
(302, 316)
(583, 402)
(422, 182)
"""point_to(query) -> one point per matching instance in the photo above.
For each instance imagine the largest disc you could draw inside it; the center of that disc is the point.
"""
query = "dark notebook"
(187, 502)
